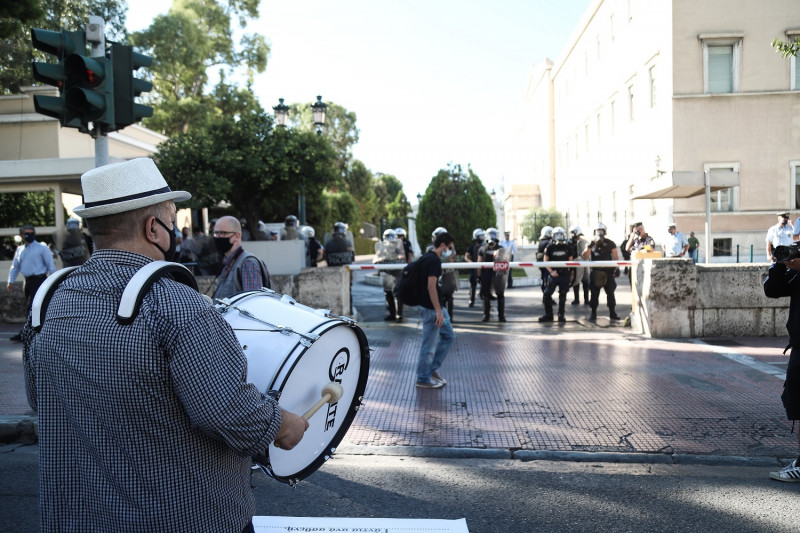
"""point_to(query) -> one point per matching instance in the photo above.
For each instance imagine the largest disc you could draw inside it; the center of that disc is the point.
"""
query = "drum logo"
(338, 365)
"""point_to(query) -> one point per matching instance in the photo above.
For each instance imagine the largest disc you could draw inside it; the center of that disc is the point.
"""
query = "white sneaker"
(436, 377)
(789, 473)
(430, 384)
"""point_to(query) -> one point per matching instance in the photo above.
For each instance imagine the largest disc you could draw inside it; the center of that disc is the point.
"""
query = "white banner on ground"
(273, 524)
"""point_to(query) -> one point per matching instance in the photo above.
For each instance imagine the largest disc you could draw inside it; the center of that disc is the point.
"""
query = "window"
(796, 179)
(653, 86)
(723, 201)
(723, 247)
(795, 81)
(630, 103)
(721, 63)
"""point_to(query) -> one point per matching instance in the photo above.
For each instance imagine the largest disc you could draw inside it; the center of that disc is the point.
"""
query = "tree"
(36, 208)
(17, 18)
(340, 129)
(538, 218)
(787, 49)
(458, 201)
(193, 37)
(397, 211)
(360, 184)
(246, 162)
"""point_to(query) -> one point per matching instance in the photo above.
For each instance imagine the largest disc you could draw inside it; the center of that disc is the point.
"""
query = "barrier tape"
(505, 264)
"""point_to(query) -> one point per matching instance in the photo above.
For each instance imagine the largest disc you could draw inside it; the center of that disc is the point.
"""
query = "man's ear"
(150, 229)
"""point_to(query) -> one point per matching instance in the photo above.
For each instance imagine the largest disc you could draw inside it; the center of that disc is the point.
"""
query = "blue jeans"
(435, 343)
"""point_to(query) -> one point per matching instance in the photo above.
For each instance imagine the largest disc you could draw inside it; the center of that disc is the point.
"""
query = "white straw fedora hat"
(123, 187)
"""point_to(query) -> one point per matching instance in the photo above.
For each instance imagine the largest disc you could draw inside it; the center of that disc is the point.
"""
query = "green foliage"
(339, 128)
(36, 208)
(17, 17)
(538, 218)
(194, 36)
(360, 184)
(458, 201)
(397, 211)
(787, 49)
(338, 207)
(244, 161)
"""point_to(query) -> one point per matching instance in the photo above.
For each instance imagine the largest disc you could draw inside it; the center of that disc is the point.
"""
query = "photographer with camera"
(640, 240)
(781, 234)
(783, 280)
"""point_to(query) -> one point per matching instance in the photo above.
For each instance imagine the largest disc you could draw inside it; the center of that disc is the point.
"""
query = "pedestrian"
(675, 243)
(437, 331)
(581, 276)
(694, 246)
(76, 246)
(34, 261)
(782, 281)
(602, 249)
(241, 271)
(338, 249)
(559, 249)
(148, 425)
(490, 278)
(471, 256)
(544, 241)
(639, 240)
(508, 242)
(781, 234)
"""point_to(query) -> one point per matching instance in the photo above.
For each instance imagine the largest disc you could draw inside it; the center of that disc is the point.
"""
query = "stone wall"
(320, 288)
(674, 298)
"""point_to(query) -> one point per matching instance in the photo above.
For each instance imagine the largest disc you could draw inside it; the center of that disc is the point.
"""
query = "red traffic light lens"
(90, 77)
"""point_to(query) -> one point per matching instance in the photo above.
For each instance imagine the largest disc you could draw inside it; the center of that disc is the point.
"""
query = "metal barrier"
(503, 265)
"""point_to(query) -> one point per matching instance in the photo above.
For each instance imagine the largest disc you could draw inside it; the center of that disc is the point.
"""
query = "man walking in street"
(508, 242)
(437, 331)
(34, 261)
(675, 243)
(241, 271)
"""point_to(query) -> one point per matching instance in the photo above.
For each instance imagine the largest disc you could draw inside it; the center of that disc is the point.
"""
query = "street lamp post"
(281, 118)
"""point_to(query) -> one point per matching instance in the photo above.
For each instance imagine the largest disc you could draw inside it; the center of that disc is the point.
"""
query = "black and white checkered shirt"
(145, 427)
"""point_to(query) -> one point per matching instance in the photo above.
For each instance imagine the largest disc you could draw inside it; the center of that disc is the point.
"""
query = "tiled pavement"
(575, 387)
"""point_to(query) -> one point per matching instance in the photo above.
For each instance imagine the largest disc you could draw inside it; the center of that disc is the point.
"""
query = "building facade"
(651, 99)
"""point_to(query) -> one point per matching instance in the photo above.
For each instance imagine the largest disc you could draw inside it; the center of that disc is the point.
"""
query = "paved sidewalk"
(528, 388)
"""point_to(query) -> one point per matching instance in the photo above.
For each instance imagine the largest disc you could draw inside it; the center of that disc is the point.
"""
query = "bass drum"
(293, 351)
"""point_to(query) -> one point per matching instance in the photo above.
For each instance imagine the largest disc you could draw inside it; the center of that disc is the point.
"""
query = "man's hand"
(439, 318)
(291, 432)
(9, 288)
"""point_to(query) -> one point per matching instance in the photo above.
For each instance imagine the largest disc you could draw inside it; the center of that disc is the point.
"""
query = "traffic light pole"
(95, 34)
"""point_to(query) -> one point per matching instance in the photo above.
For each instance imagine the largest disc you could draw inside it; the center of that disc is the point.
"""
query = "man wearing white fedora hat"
(147, 425)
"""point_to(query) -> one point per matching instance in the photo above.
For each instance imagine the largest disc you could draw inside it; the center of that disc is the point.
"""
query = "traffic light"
(127, 88)
(60, 44)
(89, 92)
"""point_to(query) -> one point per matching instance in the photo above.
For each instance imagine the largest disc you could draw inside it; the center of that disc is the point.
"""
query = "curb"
(19, 429)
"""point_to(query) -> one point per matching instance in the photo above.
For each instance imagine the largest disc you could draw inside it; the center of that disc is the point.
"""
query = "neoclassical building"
(666, 111)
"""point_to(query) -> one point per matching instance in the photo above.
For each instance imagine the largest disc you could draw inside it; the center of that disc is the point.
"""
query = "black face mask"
(223, 244)
(169, 255)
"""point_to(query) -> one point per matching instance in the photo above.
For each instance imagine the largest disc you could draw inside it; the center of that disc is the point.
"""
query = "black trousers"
(32, 284)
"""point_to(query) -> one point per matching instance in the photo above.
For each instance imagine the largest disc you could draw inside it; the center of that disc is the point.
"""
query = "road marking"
(744, 359)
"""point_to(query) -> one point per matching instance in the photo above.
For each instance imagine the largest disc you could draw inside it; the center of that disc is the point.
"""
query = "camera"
(785, 253)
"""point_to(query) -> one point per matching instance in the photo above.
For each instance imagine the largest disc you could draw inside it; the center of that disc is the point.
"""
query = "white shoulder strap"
(140, 284)
(42, 297)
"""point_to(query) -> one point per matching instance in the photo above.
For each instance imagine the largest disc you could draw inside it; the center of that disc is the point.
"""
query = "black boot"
(593, 316)
(501, 308)
(390, 305)
(612, 314)
(585, 294)
(471, 295)
(399, 309)
(487, 306)
(576, 290)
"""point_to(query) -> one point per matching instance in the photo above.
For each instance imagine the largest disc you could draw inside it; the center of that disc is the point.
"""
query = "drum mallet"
(330, 394)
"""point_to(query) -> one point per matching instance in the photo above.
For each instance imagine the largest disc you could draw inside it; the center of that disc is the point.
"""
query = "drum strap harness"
(132, 297)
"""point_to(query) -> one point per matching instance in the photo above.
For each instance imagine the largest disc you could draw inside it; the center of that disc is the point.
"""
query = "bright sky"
(430, 81)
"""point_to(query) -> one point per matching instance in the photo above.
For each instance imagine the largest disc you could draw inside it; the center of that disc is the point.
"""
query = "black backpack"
(409, 287)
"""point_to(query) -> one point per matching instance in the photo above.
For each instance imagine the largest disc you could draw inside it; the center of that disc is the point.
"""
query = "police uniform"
(603, 278)
(557, 251)
(544, 242)
(486, 253)
(473, 250)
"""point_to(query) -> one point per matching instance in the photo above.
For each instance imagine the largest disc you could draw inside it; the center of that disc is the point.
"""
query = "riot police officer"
(559, 249)
(492, 251)
(544, 241)
(602, 249)
(409, 252)
(472, 256)
(581, 273)
(390, 251)
(338, 250)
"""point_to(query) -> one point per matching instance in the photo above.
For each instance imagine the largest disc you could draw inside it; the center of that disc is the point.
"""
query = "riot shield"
(502, 257)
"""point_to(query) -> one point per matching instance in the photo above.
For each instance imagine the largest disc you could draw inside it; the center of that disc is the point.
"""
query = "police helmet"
(73, 223)
(340, 227)
(600, 230)
(547, 232)
(438, 231)
(478, 234)
(492, 235)
(400, 232)
(575, 230)
(559, 235)
(291, 220)
(390, 235)
(308, 231)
